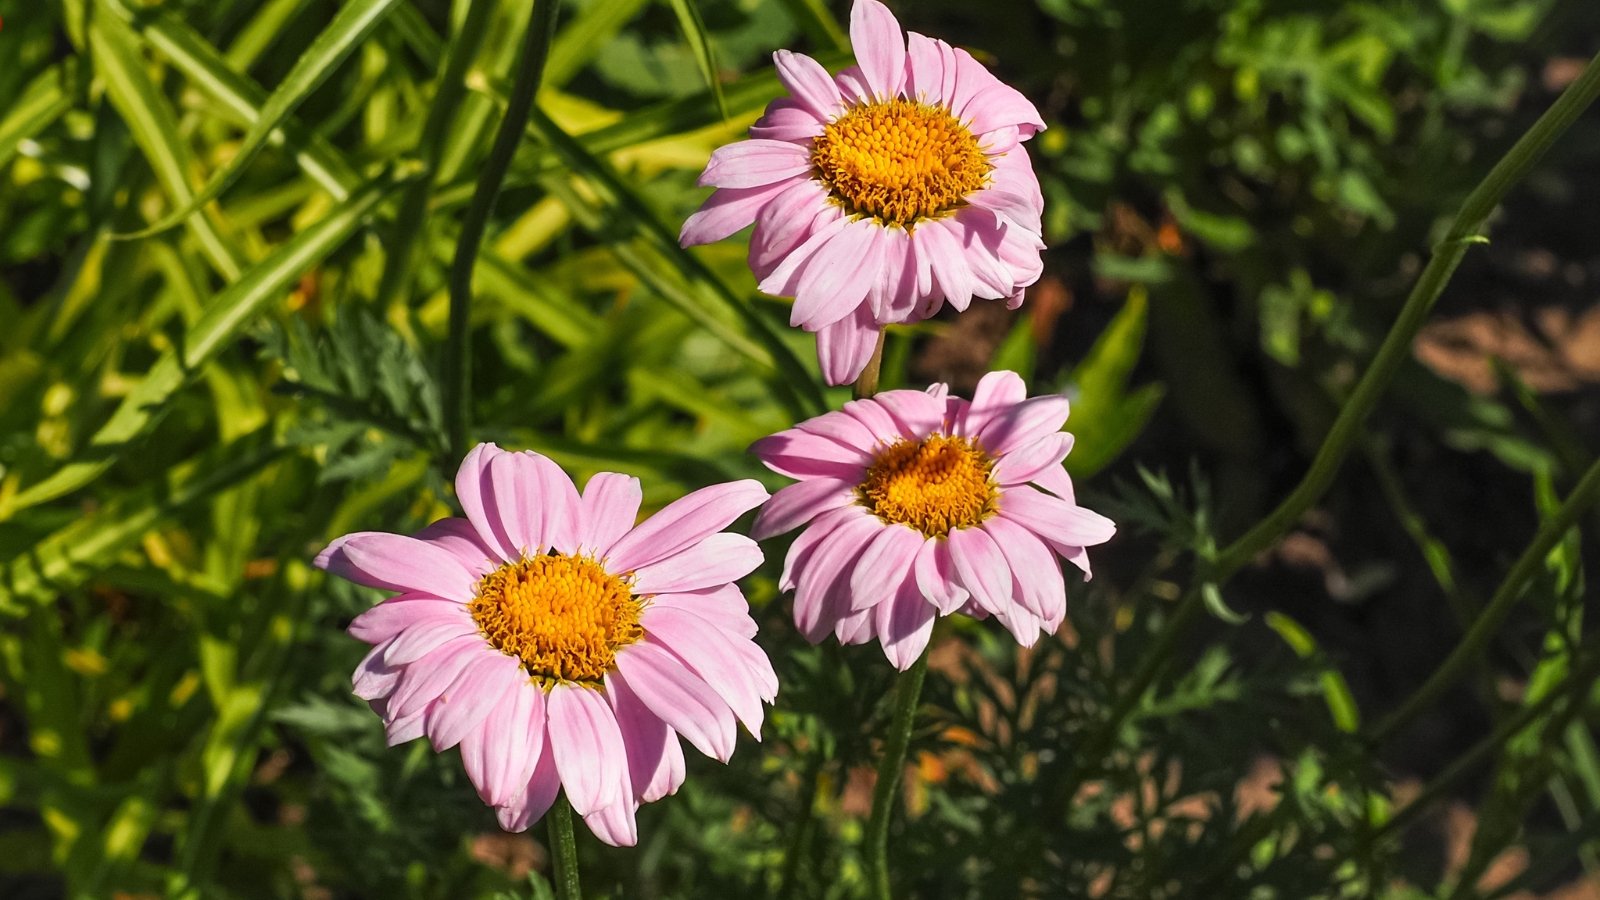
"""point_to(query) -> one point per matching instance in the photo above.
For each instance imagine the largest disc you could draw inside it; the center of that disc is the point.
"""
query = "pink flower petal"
(836, 276)
(845, 347)
(904, 624)
(609, 509)
(784, 279)
(723, 606)
(1000, 105)
(996, 392)
(916, 414)
(616, 825)
(655, 759)
(477, 690)
(937, 579)
(1028, 461)
(709, 653)
(422, 683)
(799, 503)
(884, 566)
(727, 211)
(678, 697)
(387, 619)
(801, 549)
(822, 595)
(754, 163)
(1024, 423)
(719, 559)
(809, 84)
(1038, 576)
(786, 223)
(477, 499)
(982, 568)
(587, 744)
(880, 424)
(787, 120)
(513, 481)
(802, 454)
(374, 678)
(880, 46)
(1016, 209)
(423, 638)
(854, 628)
(457, 537)
(1056, 480)
(535, 799)
(395, 562)
(951, 277)
(685, 522)
(1061, 523)
(501, 753)
(843, 428)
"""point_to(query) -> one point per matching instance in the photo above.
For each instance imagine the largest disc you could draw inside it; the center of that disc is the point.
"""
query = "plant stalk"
(458, 352)
(907, 691)
(563, 851)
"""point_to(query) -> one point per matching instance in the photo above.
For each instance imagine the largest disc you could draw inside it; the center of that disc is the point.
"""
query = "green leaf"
(694, 31)
(154, 127)
(1335, 690)
(354, 21)
(44, 100)
(224, 318)
(1105, 416)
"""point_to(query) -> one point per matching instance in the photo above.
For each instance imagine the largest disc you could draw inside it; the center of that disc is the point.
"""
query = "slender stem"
(563, 851)
(907, 691)
(464, 46)
(1488, 622)
(1396, 348)
(458, 357)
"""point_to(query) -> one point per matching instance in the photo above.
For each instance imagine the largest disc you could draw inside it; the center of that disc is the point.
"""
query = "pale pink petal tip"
(528, 734)
(865, 567)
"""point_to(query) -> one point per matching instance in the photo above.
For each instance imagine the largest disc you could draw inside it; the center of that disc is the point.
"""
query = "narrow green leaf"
(43, 101)
(224, 317)
(818, 22)
(154, 127)
(70, 556)
(585, 36)
(705, 56)
(1335, 690)
(354, 21)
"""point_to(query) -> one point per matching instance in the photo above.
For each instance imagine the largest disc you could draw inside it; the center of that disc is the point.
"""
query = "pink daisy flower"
(558, 643)
(882, 193)
(919, 504)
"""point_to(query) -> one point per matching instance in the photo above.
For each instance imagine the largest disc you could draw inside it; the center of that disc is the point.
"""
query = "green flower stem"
(1488, 622)
(458, 355)
(563, 849)
(907, 691)
(1463, 233)
(464, 47)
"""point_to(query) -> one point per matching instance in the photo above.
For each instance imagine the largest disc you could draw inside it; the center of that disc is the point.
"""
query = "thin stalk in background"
(457, 350)
(1485, 626)
(563, 849)
(464, 47)
(907, 693)
(1396, 347)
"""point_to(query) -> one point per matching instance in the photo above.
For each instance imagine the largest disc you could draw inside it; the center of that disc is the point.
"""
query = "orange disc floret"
(565, 617)
(899, 161)
(934, 485)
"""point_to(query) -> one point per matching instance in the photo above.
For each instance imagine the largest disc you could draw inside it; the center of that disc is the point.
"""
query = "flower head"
(882, 193)
(558, 643)
(919, 504)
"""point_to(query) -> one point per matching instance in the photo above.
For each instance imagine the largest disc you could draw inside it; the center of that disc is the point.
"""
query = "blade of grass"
(117, 61)
(818, 22)
(226, 315)
(354, 21)
(43, 101)
(66, 558)
(442, 112)
(585, 36)
(705, 56)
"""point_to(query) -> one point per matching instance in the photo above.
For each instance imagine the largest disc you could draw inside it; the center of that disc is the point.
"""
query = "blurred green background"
(1239, 195)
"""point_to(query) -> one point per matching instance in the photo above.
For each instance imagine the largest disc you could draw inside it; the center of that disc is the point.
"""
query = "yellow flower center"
(565, 617)
(899, 161)
(933, 485)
